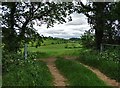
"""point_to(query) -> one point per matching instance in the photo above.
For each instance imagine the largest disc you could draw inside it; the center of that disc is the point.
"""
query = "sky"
(72, 29)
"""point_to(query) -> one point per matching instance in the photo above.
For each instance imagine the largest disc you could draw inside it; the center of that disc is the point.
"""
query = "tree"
(88, 39)
(19, 17)
(116, 16)
(99, 18)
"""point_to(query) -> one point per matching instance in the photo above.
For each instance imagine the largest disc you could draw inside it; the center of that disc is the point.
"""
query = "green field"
(55, 50)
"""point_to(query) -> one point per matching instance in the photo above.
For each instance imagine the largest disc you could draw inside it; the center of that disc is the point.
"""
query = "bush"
(10, 58)
(66, 46)
(111, 55)
(52, 43)
(13, 58)
(88, 39)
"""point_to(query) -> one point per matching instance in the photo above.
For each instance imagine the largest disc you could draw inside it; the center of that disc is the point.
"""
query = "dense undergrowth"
(77, 74)
(107, 61)
(20, 72)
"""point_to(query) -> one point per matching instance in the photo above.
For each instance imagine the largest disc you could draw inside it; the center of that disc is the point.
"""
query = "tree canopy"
(19, 17)
(103, 18)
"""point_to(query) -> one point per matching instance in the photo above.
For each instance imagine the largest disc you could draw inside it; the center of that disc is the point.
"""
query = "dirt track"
(100, 75)
(59, 80)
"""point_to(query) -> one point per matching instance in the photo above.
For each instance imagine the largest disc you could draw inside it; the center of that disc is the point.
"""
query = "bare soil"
(109, 81)
(59, 80)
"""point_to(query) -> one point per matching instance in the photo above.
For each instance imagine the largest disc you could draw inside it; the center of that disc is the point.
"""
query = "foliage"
(9, 59)
(104, 19)
(27, 73)
(74, 39)
(111, 55)
(107, 62)
(88, 39)
(49, 41)
(20, 72)
(19, 18)
(77, 74)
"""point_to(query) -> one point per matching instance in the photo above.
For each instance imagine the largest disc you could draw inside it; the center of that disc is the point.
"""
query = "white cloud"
(74, 28)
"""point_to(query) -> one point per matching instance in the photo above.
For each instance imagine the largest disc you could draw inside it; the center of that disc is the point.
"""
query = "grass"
(20, 72)
(106, 62)
(55, 50)
(77, 74)
(37, 55)
(28, 73)
(17, 72)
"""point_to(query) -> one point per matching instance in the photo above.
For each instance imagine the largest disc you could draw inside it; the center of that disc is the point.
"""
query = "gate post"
(101, 47)
(25, 51)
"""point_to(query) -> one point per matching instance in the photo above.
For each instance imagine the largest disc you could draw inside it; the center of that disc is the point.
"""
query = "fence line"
(103, 46)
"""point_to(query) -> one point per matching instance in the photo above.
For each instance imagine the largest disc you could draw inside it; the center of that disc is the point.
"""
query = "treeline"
(51, 41)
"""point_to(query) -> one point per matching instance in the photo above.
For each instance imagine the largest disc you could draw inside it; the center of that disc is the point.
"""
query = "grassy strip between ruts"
(28, 73)
(77, 74)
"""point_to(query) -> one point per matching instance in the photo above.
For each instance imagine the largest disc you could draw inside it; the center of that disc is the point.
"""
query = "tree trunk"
(98, 38)
(99, 23)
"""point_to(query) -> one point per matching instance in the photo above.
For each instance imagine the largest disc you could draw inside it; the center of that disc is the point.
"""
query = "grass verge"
(77, 74)
(27, 73)
(106, 62)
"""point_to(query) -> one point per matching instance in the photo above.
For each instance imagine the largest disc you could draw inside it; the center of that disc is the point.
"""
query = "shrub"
(10, 58)
(14, 58)
(52, 43)
(66, 46)
(88, 39)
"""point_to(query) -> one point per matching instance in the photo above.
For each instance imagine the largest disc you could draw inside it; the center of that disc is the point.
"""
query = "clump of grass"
(107, 62)
(77, 74)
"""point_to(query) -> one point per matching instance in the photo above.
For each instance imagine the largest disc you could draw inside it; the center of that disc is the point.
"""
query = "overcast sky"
(74, 28)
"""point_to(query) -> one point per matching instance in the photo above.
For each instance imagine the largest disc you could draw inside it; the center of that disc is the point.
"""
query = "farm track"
(59, 80)
(107, 80)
